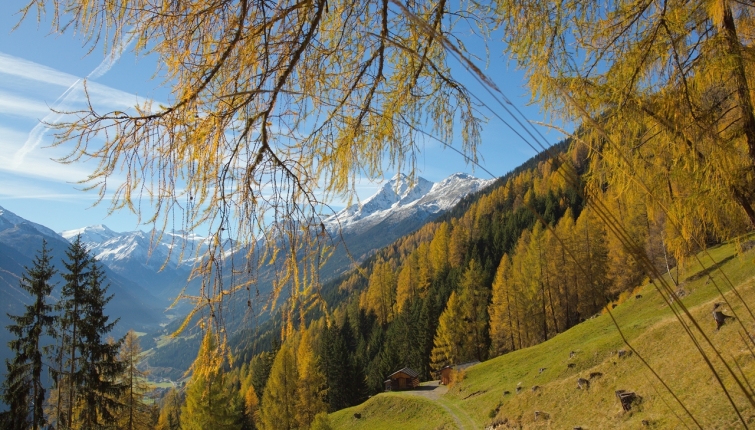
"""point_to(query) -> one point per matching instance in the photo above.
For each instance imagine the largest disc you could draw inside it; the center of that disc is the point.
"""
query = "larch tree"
(280, 398)
(135, 413)
(449, 337)
(380, 295)
(500, 310)
(439, 248)
(312, 384)
(251, 408)
(273, 107)
(663, 92)
(209, 402)
(170, 411)
(474, 298)
(592, 257)
(23, 389)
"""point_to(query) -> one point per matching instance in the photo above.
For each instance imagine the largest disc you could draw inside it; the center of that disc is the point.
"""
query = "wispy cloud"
(24, 69)
(14, 105)
(65, 102)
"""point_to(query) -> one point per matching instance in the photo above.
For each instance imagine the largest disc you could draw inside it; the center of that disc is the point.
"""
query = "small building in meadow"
(404, 379)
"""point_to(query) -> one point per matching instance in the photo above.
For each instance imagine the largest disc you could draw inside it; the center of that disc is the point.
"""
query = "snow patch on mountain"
(401, 198)
(151, 248)
(398, 199)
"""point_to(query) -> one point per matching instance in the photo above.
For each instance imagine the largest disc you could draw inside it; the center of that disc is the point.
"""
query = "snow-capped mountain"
(399, 199)
(20, 242)
(397, 209)
(162, 261)
(10, 220)
(154, 249)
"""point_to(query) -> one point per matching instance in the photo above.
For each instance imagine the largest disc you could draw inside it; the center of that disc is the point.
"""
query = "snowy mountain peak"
(399, 198)
(399, 190)
(92, 234)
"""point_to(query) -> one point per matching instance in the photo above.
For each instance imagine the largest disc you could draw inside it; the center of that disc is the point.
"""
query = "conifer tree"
(474, 308)
(259, 369)
(71, 305)
(439, 248)
(23, 390)
(251, 408)
(448, 340)
(279, 401)
(101, 388)
(135, 413)
(209, 402)
(501, 324)
(170, 411)
(380, 295)
(312, 382)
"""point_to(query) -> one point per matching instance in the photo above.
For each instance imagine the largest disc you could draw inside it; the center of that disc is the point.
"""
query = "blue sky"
(39, 71)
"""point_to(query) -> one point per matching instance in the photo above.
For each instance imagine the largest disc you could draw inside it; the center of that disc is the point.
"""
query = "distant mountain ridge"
(398, 208)
(21, 239)
(162, 261)
(177, 249)
(400, 198)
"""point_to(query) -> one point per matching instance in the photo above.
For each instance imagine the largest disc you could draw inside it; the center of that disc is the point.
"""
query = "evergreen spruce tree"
(101, 387)
(71, 306)
(22, 389)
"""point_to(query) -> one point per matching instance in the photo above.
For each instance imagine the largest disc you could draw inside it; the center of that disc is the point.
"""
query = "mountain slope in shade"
(20, 240)
(161, 262)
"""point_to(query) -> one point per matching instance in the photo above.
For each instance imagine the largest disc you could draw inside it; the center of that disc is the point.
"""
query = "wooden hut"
(404, 379)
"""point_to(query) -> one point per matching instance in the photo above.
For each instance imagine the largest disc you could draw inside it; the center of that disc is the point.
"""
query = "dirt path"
(434, 391)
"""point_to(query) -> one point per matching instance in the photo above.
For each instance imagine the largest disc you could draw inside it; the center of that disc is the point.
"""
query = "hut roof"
(412, 373)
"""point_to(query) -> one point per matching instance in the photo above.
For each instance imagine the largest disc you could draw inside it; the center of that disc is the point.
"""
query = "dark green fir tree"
(101, 385)
(22, 389)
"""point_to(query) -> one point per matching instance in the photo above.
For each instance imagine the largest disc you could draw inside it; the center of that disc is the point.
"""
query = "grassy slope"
(653, 331)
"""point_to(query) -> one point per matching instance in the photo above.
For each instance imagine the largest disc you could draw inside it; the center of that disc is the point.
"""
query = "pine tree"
(209, 402)
(23, 390)
(135, 413)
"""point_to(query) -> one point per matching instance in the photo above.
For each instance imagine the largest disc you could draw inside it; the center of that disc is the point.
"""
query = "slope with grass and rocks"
(537, 387)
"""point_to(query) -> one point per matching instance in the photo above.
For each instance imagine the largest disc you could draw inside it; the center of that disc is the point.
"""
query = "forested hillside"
(509, 268)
